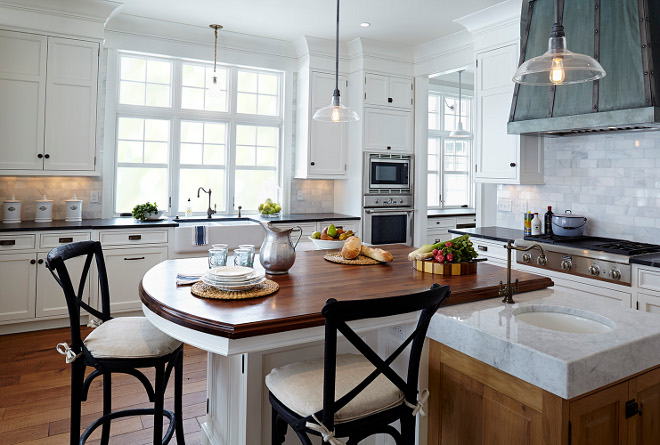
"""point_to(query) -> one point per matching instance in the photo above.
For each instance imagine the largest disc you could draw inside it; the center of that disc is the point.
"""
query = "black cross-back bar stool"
(350, 395)
(118, 345)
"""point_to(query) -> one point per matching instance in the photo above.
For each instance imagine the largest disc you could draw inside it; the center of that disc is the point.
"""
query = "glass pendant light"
(558, 66)
(215, 89)
(336, 112)
(460, 132)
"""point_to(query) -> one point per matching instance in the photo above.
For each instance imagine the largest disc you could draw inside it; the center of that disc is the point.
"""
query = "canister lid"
(75, 198)
(13, 199)
(43, 199)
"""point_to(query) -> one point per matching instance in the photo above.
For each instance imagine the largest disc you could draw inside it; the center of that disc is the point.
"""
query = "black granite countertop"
(650, 259)
(494, 233)
(438, 213)
(130, 223)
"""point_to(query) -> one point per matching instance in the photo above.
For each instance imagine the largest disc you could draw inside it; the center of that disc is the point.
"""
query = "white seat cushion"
(300, 387)
(129, 337)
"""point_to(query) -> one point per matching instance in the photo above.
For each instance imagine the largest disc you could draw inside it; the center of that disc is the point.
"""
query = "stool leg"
(178, 399)
(158, 404)
(77, 378)
(107, 407)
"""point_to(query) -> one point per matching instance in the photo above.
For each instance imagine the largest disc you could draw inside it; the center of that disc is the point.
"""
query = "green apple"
(268, 201)
(261, 207)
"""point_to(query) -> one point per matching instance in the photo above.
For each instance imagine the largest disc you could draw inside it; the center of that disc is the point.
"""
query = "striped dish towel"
(199, 236)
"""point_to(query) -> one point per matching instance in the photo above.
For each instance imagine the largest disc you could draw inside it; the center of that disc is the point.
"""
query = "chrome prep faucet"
(508, 291)
(209, 211)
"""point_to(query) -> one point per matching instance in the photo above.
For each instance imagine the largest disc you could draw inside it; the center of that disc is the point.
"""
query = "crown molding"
(492, 17)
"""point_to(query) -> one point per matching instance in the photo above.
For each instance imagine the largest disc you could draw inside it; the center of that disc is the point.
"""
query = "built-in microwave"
(388, 173)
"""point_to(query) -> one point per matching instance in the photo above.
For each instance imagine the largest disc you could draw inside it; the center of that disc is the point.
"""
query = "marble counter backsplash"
(320, 196)
(613, 179)
(28, 189)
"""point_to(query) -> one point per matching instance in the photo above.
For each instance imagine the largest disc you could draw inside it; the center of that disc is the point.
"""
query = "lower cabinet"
(125, 268)
(50, 296)
(308, 228)
(474, 403)
(18, 273)
(437, 228)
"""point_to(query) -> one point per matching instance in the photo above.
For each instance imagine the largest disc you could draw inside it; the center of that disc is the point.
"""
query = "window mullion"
(231, 143)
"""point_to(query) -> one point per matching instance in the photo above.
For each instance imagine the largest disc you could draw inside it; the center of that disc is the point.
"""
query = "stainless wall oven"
(388, 173)
(388, 219)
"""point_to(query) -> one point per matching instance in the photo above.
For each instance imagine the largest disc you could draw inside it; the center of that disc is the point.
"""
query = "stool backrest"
(337, 313)
(56, 263)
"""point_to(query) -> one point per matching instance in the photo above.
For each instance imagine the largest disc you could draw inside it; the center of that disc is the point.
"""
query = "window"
(448, 175)
(174, 135)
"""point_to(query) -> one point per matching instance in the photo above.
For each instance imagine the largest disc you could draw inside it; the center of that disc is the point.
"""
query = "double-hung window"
(448, 175)
(174, 134)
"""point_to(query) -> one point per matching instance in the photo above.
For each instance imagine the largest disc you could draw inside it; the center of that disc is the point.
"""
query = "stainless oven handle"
(369, 212)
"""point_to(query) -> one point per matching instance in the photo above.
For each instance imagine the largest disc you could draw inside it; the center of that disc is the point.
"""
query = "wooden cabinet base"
(474, 403)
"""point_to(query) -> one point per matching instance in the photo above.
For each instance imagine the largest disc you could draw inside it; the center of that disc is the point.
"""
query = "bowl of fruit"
(331, 238)
(270, 208)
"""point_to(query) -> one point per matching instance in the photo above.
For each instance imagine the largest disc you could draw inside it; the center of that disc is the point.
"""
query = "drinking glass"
(217, 257)
(242, 257)
(220, 246)
(251, 248)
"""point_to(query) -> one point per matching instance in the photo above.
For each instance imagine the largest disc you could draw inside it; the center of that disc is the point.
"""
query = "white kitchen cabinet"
(388, 91)
(648, 303)
(437, 228)
(50, 296)
(48, 88)
(500, 157)
(125, 268)
(309, 227)
(18, 273)
(321, 151)
(388, 131)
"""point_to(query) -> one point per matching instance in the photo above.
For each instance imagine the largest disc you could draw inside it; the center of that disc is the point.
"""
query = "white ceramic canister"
(12, 210)
(44, 210)
(73, 209)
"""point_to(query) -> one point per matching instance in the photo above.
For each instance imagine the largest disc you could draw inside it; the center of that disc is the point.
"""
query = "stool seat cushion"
(129, 337)
(299, 386)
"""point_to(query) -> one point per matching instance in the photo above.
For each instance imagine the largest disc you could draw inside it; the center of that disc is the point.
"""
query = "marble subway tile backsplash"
(29, 189)
(320, 196)
(613, 179)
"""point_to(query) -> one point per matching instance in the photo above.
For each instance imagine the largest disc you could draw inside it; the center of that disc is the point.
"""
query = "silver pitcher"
(277, 253)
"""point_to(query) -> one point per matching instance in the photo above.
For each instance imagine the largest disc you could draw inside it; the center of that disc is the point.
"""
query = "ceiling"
(410, 22)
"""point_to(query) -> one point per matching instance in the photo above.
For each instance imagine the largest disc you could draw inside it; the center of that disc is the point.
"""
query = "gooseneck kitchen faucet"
(509, 290)
(209, 211)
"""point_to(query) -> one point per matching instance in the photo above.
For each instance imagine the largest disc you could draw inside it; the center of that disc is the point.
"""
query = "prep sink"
(564, 319)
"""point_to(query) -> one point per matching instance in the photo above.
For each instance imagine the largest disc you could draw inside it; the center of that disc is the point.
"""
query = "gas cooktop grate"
(609, 245)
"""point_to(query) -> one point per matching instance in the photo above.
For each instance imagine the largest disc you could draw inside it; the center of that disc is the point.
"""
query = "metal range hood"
(624, 36)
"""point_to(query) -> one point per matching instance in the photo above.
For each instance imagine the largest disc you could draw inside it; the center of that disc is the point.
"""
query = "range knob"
(594, 270)
(615, 274)
(390, 201)
(401, 201)
(526, 258)
(542, 260)
(376, 201)
(566, 265)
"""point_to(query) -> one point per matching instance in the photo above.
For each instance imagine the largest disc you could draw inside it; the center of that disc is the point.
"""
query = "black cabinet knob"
(40, 156)
(40, 261)
(46, 156)
(389, 99)
(33, 261)
(311, 163)
(389, 148)
(513, 164)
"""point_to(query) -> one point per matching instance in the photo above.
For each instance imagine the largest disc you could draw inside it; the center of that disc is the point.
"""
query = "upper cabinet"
(388, 91)
(500, 157)
(388, 131)
(48, 88)
(321, 146)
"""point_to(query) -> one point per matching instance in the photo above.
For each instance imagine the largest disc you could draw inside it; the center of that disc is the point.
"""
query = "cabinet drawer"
(649, 279)
(466, 220)
(438, 236)
(489, 249)
(128, 237)
(353, 225)
(433, 223)
(51, 240)
(12, 242)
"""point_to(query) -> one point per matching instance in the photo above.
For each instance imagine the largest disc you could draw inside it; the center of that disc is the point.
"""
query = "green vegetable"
(461, 249)
(141, 211)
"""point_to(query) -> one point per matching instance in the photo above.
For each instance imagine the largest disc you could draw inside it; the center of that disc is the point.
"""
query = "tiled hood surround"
(613, 179)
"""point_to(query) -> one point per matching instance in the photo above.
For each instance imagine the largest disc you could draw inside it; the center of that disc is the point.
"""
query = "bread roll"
(377, 254)
(351, 248)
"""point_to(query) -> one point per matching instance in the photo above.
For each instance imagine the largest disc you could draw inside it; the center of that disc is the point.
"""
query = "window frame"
(175, 114)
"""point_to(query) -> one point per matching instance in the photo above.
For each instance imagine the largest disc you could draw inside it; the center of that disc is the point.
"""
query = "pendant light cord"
(558, 27)
(337, 55)
(460, 73)
(215, 50)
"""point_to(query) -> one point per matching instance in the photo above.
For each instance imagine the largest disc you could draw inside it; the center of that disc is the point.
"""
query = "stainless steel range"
(604, 259)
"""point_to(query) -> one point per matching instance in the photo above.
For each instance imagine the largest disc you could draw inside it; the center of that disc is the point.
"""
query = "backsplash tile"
(613, 179)
(320, 196)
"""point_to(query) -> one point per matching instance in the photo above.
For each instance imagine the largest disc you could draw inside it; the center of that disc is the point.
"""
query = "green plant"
(141, 211)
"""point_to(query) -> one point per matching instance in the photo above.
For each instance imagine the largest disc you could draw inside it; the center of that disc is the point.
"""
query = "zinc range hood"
(624, 36)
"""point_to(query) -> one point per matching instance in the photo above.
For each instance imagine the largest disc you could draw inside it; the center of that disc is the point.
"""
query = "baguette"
(351, 248)
(377, 254)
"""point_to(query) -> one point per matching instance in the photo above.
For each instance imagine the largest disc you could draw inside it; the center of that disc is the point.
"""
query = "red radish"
(434, 252)
(450, 257)
(440, 258)
(448, 244)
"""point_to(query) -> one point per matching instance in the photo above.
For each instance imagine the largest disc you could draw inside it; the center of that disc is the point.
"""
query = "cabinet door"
(497, 153)
(376, 89)
(648, 303)
(645, 390)
(18, 278)
(401, 92)
(328, 140)
(50, 297)
(599, 419)
(70, 141)
(388, 130)
(22, 95)
(125, 269)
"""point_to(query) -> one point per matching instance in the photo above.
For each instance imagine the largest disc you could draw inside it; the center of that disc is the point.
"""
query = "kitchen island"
(246, 339)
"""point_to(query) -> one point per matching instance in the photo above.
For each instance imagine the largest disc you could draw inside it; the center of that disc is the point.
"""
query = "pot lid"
(567, 214)
(13, 199)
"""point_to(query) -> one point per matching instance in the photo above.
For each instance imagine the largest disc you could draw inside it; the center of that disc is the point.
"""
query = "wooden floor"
(35, 385)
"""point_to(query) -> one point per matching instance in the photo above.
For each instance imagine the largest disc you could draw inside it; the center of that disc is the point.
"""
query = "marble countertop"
(567, 365)
(491, 232)
(439, 213)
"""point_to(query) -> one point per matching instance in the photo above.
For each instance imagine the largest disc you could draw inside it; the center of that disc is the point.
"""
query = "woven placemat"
(361, 260)
(200, 289)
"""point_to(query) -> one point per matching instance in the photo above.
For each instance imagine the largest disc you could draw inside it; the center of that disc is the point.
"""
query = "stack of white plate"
(233, 278)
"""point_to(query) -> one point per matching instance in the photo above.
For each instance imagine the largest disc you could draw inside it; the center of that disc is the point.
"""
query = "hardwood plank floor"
(35, 395)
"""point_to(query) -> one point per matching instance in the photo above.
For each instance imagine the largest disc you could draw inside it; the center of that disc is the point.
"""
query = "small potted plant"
(147, 212)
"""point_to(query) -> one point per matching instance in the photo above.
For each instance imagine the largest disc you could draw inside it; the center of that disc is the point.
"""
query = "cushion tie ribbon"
(419, 407)
(327, 435)
(70, 354)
